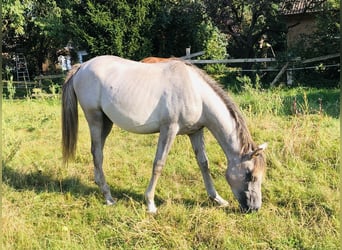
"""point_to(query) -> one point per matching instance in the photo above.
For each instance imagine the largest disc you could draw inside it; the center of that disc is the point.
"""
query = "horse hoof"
(110, 202)
(221, 202)
(152, 210)
(224, 204)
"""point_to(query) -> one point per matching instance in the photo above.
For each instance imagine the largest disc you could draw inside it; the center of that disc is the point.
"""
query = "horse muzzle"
(249, 202)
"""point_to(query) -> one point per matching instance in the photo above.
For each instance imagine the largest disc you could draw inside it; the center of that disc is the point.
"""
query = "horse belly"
(132, 117)
(147, 115)
(131, 124)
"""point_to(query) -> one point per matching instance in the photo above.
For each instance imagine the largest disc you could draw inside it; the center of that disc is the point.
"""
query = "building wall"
(299, 25)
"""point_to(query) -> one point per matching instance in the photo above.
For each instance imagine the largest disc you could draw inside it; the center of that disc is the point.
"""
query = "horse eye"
(250, 177)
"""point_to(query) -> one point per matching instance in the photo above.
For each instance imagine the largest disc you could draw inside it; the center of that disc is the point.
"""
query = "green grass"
(48, 206)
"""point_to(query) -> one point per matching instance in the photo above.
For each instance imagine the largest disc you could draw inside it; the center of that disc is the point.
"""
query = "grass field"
(48, 206)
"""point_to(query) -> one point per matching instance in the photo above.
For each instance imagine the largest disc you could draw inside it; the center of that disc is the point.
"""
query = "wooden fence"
(188, 57)
(282, 70)
(37, 81)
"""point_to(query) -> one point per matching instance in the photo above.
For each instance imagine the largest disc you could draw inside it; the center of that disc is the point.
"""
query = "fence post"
(188, 51)
(282, 71)
(289, 77)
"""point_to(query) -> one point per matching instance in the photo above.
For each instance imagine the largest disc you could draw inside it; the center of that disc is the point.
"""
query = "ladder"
(21, 67)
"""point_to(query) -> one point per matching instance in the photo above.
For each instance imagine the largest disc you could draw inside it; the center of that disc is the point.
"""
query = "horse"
(153, 59)
(170, 98)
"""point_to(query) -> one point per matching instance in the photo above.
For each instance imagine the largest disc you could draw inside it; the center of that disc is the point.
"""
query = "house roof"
(292, 7)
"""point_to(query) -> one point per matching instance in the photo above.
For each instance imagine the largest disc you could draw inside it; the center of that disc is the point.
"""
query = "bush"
(214, 45)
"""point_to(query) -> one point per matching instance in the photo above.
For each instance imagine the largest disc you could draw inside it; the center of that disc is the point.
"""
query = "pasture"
(46, 205)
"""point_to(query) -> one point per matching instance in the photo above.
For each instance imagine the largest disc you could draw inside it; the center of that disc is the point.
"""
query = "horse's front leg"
(197, 142)
(100, 127)
(166, 138)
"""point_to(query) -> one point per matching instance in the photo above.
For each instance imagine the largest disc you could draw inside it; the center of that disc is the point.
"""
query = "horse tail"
(69, 116)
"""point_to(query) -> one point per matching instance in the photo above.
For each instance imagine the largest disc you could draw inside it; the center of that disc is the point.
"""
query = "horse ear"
(260, 148)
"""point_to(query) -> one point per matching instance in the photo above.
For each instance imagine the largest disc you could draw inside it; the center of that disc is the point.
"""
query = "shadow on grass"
(40, 182)
(329, 99)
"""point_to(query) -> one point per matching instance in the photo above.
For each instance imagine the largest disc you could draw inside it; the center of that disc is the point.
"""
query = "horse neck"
(224, 119)
(225, 132)
(230, 131)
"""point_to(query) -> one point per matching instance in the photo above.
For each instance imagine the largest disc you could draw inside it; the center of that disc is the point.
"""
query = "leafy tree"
(41, 28)
(113, 27)
(35, 27)
(178, 25)
(13, 21)
(214, 45)
(13, 25)
(44, 33)
(245, 23)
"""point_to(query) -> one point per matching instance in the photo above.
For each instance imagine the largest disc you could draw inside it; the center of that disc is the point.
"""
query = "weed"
(54, 89)
(12, 149)
(11, 88)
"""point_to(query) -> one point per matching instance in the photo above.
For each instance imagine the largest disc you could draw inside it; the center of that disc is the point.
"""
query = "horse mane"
(246, 141)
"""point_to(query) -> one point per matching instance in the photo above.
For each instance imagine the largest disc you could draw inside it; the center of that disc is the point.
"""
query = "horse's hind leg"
(197, 142)
(100, 127)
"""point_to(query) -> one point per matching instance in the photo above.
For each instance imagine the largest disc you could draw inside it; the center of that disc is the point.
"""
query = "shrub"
(214, 45)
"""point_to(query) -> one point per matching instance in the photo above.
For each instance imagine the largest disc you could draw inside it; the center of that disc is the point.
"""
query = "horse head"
(245, 176)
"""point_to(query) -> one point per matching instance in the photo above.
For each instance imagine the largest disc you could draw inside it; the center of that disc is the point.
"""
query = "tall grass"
(48, 206)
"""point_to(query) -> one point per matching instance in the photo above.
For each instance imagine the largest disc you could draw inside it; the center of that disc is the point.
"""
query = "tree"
(214, 45)
(13, 26)
(113, 27)
(41, 28)
(13, 21)
(246, 22)
(178, 25)
(44, 33)
(36, 28)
